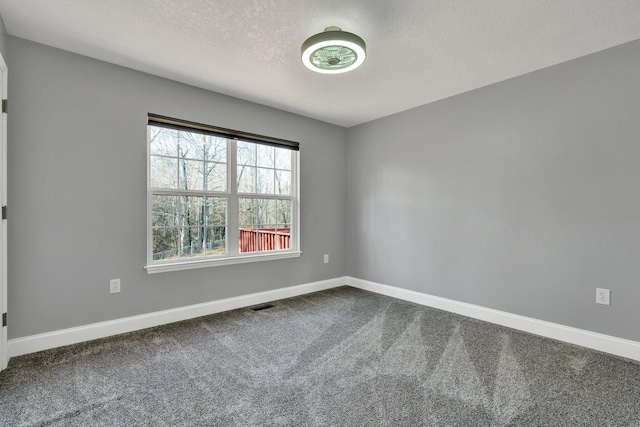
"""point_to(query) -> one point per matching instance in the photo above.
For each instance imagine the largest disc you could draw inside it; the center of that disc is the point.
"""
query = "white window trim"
(213, 262)
(164, 266)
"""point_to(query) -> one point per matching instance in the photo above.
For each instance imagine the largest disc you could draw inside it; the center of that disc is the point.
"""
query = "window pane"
(248, 212)
(164, 172)
(190, 145)
(215, 149)
(283, 236)
(267, 238)
(283, 158)
(266, 211)
(247, 239)
(164, 210)
(192, 239)
(266, 156)
(283, 182)
(163, 141)
(216, 211)
(283, 212)
(216, 176)
(191, 211)
(165, 243)
(191, 175)
(216, 241)
(264, 238)
(246, 179)
(265, 181)
(198, 142)
(246, 153)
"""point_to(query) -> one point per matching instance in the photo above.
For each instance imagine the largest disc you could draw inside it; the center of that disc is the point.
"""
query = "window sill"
(213, 262)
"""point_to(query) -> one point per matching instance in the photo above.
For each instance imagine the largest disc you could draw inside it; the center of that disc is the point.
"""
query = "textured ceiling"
(419, 51)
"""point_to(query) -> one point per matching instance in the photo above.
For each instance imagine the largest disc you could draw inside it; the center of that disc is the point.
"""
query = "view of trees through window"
(265, 223)
(192, 195)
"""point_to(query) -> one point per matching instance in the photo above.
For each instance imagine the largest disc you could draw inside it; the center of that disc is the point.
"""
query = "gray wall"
(3, 39)
(522, 196)
(77, 192)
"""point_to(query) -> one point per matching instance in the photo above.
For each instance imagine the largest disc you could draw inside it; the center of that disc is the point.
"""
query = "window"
(218, 196)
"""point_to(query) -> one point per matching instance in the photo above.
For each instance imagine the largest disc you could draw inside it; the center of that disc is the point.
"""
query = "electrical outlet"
(326, 258)
(114, 286)
(602, 296)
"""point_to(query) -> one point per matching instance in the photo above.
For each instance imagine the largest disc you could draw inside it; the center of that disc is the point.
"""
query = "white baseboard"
(606, 343)
(34, 343)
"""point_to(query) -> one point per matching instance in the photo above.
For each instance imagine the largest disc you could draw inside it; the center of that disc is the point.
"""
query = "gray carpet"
(341, 357)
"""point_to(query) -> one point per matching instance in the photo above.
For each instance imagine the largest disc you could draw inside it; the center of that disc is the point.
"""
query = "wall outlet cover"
(114, 286)
(603, 296)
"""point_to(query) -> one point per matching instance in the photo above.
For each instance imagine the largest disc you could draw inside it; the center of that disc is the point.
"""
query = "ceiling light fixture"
(333, 51)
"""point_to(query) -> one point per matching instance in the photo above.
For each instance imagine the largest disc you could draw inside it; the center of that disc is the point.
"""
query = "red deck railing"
(264, 239)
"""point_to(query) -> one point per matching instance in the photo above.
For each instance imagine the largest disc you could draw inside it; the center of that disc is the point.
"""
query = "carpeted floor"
(342, 357)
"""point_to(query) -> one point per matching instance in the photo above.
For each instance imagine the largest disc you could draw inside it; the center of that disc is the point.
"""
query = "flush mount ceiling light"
(333, 51)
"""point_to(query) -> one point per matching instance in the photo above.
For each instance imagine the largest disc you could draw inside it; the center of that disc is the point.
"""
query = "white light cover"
(333, 38)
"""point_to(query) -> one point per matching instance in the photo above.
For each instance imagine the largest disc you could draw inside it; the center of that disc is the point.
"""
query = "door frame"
(4, 345)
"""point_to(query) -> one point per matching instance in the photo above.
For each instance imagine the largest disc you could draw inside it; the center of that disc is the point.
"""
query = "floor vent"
(261, 307)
